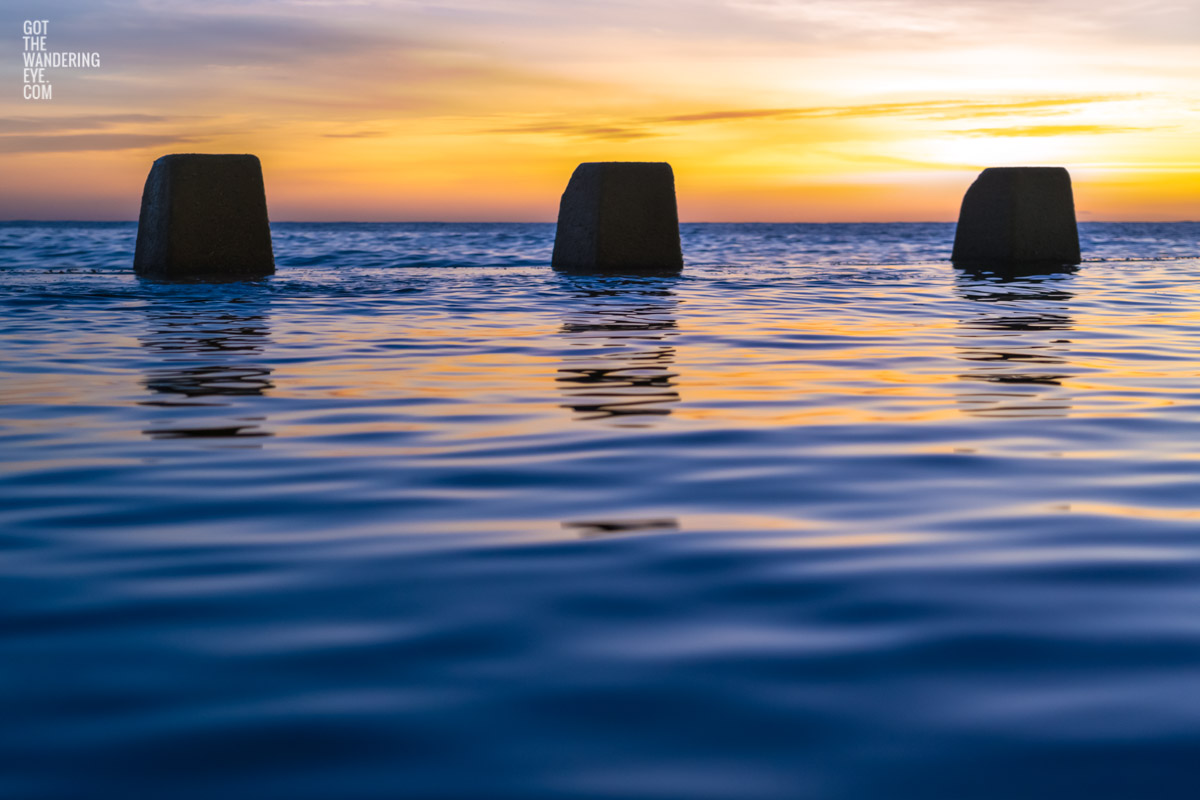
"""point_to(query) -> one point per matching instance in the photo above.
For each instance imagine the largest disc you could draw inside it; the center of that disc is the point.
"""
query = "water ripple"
(822, 516)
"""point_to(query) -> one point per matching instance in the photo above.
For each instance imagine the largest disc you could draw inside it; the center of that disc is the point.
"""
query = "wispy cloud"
(83, 142)
(1165, 21)
(582, 130)
(79, 122)
(1052, 130)
(355, 135)
(933, 109)
(646, 126)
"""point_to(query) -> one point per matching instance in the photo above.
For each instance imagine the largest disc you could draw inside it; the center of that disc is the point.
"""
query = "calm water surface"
(418, 517)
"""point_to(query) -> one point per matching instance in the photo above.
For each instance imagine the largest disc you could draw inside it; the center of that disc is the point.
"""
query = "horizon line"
(554, 222)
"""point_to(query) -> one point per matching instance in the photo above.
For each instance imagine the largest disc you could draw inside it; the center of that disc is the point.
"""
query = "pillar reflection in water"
(594, 529)
(208, 369)
(1017, 341)
(619, 363)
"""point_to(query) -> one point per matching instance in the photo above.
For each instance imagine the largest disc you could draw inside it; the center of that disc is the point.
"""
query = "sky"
(478, 110)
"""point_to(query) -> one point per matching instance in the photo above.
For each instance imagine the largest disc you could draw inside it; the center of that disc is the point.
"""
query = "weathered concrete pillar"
(1018, 215)
(619, 215)
(204, 216)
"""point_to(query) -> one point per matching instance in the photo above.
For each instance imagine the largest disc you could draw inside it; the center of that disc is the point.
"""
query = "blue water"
(418, 517)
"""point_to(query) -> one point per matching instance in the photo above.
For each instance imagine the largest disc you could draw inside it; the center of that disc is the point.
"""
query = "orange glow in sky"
(769, 110)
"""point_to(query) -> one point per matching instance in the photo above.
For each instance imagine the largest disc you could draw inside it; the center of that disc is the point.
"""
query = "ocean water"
(418, 517)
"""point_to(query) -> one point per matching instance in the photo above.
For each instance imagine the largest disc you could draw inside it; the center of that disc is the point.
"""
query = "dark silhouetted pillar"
(204, 216)
(1014, 215)
(619, 215)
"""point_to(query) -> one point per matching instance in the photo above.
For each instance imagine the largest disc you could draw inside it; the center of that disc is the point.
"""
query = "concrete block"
(204, 217)
(1018, 215)
(619, 215)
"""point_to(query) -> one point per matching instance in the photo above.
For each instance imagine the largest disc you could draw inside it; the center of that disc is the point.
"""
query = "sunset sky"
(769, 110)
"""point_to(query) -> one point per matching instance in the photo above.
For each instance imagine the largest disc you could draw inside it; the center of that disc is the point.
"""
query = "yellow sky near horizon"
(768, 110)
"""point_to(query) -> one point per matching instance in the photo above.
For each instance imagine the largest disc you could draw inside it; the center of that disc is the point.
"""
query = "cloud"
(581, 130)
(82, 142)
(642, 127)
(932, 109)
(77, 122)
(263, 59)
(1051, 130)
(975, 21)
(789, 22)
(355, 135)
(132, 36)
(80, 122)
(87, 132)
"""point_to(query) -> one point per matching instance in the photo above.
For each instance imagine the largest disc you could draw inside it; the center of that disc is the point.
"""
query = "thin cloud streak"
(1053, 130)
(85, 142)
(79, 122)
(935, 109)
(355, 135)
(949, 110)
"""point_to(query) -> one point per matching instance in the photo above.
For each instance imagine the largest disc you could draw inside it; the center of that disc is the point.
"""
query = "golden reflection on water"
(618, 354)
(1131, 512)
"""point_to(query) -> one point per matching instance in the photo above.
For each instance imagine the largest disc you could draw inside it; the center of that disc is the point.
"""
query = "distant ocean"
(822, 516)
(369, 245)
